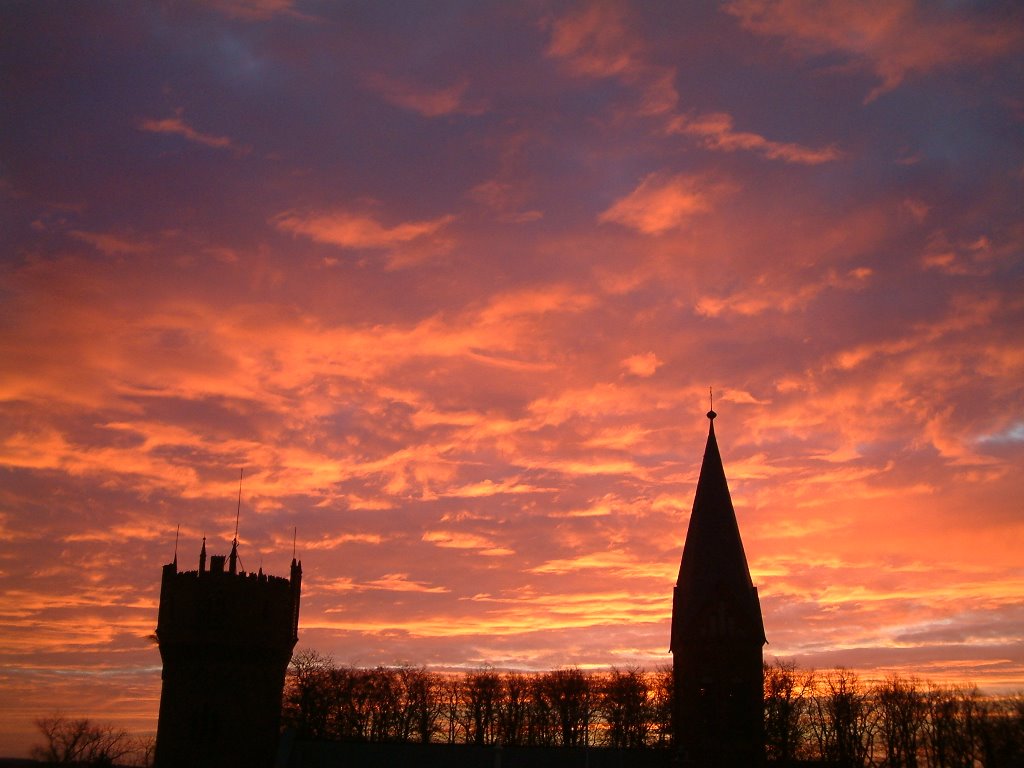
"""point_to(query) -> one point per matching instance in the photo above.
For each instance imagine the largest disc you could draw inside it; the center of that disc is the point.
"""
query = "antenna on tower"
(233, 564)
(238, 510)
(295, 533)
(176, 532)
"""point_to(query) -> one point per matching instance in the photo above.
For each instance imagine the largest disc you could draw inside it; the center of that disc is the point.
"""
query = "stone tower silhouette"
(225, 639)
(717, 633)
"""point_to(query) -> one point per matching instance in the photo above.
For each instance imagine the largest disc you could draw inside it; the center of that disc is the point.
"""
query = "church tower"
(225, 637)
(717, 633)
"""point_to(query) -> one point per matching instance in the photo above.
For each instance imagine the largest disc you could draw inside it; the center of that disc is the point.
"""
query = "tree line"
(834, 717)
(840, 720)
(562, 707)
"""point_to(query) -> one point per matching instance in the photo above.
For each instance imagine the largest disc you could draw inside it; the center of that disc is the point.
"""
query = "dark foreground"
(320, 754)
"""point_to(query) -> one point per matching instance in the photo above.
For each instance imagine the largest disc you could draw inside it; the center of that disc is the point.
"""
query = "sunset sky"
(451, 281)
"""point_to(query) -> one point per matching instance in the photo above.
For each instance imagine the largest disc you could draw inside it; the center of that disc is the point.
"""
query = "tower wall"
(719, 702)
(225, 641)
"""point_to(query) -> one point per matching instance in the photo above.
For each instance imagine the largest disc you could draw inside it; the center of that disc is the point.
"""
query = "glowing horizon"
(451, 283)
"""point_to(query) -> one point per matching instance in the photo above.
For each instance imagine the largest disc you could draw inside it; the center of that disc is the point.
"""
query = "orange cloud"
(486, 488)
(350, 230)
(400, 582)
(535, 302)
(457, 540)
(389, 582)
(619, 564)
(333, 542)
(642, 365)
(662, 203)
(524, 617)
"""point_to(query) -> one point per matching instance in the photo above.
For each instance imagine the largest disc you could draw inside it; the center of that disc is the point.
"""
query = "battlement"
(216, 606)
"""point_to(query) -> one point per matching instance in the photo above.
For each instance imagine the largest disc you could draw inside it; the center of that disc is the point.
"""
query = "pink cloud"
(260, 10)
(178, 127)
(429, 102)
(975, 256)
(715, 131)
(762, 296)
(112, 244)
(596, 42)
(506, 200)
(893, 38)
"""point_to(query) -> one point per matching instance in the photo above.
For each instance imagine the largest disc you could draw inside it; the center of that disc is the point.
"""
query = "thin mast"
(233, 565)
(238, 510)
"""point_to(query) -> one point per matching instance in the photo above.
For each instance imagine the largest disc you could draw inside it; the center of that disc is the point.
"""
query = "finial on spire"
(711, 396)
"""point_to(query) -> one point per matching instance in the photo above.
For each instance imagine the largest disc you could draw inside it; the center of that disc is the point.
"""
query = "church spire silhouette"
(717, 631)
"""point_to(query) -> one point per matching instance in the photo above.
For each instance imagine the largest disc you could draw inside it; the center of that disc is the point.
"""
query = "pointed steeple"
(202, 557)
(714, 565)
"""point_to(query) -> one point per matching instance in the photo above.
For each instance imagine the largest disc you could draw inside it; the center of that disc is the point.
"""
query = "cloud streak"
(176, 126)
(355, 231)
(715, 131)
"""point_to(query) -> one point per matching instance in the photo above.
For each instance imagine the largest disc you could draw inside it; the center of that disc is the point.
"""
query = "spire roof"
(714, 565)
